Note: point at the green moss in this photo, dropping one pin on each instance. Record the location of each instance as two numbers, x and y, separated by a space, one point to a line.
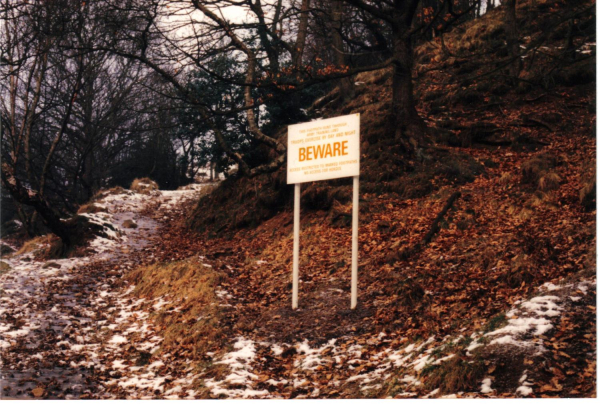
495 322
456 374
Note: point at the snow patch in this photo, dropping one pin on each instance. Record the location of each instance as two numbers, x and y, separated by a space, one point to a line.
239 361
486 386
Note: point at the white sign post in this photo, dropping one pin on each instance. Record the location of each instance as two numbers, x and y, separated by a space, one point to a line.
323 150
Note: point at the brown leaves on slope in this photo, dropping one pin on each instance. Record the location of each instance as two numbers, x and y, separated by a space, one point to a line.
498 243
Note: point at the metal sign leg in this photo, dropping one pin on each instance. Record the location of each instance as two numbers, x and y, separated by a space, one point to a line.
354 243
296 246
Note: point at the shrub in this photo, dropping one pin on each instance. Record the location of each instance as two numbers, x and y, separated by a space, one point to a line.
409 293
6 249
587 195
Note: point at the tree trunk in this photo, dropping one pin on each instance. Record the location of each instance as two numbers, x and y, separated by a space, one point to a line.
408 126
87 175
301 38
25 219
512 31
345 85
569 45
272 53
39 203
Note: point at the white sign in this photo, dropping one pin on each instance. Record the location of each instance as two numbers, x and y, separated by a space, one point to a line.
324 149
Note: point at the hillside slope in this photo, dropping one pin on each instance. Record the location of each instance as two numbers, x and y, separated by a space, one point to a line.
497 298
522 156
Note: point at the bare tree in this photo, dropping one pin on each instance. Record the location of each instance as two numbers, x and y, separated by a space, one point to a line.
67 112
30 32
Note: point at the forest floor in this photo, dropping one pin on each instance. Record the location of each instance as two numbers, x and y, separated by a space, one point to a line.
78 328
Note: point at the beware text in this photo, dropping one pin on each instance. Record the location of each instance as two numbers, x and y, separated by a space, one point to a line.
323 151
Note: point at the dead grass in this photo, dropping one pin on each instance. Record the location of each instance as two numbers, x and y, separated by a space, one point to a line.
525 214
587 192
549 181
540 199
111 191
206 189
456 374
375 76
538 171
587 195
481 30
90 208
191 287
589 261
4 267
506 178
241 202
143 185
130 224
106 192
34 244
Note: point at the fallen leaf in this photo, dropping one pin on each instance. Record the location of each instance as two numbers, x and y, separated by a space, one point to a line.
37 392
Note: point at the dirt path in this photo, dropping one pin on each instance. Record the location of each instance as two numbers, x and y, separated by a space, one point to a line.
66 324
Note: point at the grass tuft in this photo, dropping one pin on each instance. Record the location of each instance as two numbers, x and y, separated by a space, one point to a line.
456 374
130 224
190 286
534 169
4 267
106 192
506 178
549 181
495 323
587 192
34 244
91 208
143 185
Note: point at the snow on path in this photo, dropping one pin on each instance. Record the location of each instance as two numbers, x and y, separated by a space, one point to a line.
62 320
